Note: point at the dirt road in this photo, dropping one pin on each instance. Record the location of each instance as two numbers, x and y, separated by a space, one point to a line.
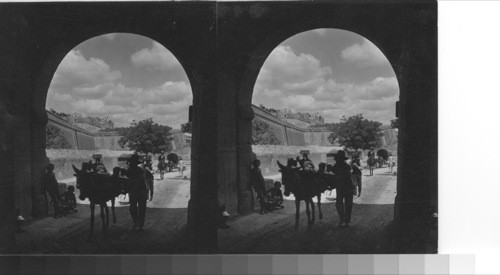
165 217
271 233
274 233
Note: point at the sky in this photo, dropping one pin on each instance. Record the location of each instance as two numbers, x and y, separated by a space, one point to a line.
131 77
125 77
334 72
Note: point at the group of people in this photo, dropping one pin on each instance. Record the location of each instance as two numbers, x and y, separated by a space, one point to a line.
140 173
62 203
346 191
66 202
268 199
164 163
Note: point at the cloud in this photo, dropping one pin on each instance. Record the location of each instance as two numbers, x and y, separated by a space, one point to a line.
156 58
167 104
77 71
364 55
320 32
92 87
283 65
97 91
110 36
87 105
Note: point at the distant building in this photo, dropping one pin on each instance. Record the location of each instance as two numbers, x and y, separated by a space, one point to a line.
311 119
100 122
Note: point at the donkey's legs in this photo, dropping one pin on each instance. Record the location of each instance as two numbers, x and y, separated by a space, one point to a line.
101 206
107 214
92 209
313 212
113 209
297 213
320 214
308 212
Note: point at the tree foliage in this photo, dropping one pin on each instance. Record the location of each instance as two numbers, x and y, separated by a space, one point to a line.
356 133
395 123
186 127
54 139
262 134
146 136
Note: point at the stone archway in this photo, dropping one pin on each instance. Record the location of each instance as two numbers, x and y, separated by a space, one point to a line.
410 45
222 46
37 39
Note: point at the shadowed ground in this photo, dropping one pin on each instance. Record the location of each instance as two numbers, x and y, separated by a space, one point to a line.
372 230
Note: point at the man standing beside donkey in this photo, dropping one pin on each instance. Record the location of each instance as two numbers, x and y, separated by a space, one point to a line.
345 190
138 193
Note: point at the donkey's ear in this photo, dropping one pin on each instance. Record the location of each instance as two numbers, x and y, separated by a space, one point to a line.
282 167
76 170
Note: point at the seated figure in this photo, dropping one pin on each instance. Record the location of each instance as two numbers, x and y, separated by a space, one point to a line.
68 200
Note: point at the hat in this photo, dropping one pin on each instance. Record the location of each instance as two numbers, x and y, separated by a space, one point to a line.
340 155
96 156
134 159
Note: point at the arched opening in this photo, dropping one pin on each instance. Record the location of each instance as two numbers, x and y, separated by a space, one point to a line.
111 96
321 91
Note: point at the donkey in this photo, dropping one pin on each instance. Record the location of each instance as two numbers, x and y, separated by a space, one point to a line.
305 185
99 189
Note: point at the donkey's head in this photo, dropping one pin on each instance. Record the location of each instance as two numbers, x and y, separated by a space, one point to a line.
84 181
289 177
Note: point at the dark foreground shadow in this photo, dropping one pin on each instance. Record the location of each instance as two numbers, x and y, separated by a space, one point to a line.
372 231
164 233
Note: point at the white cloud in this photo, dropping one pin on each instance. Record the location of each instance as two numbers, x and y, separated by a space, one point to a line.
88 105
77 71
286 66
364 55
97 91
110 36
320 32
156 58
167 104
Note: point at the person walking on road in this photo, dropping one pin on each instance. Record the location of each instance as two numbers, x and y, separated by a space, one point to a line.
149 177
356 174
138 193
344 189
162 165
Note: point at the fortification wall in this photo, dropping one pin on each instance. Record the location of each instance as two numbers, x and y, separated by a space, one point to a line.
317 138
107 143
295 137
69 134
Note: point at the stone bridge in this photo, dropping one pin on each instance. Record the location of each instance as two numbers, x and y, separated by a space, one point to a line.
221 46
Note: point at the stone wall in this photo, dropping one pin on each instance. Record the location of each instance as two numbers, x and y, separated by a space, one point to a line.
107 143
317 138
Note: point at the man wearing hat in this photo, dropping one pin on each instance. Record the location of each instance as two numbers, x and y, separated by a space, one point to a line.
138 192
344 188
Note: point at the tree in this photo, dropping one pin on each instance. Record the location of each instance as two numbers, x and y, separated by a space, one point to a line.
395 123
356 133
186 127
146 136
54 139
262 134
